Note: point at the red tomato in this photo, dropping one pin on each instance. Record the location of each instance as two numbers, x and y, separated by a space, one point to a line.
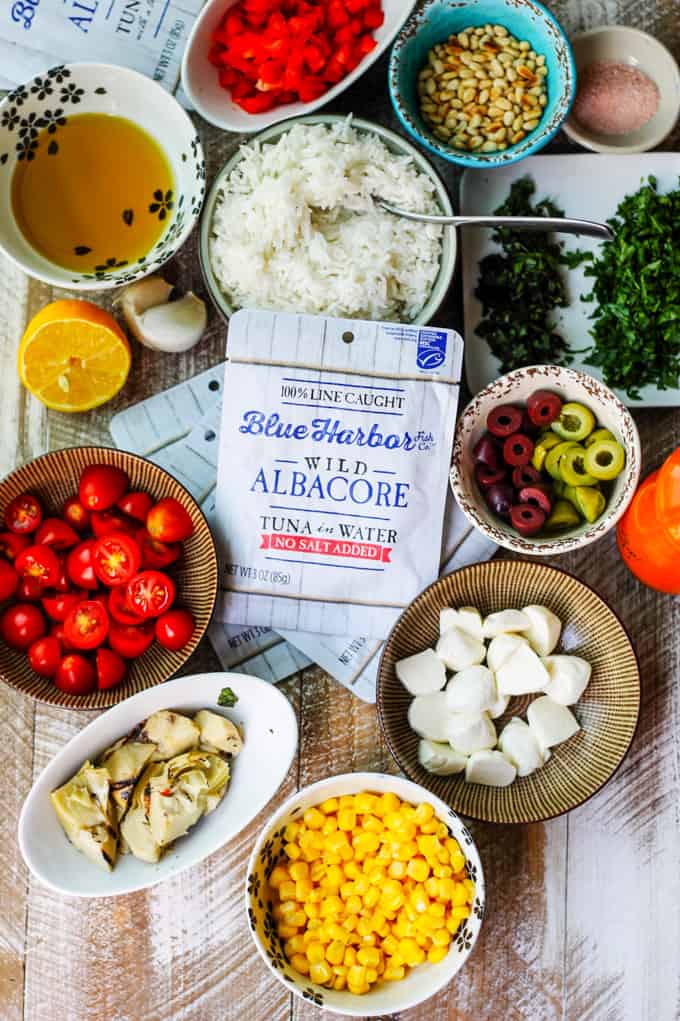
169 522
76 515
29 590
157 555
111 669
57 631
87 625
24 514
150 594
116 558
79 565
21 625
119 611
136 505
39 562
105 522
174 629
101 485
45 656
9 579
75 675
59 605
63 583
11 545
130 642
56 533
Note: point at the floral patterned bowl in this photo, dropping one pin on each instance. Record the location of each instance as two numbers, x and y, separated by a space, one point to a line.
62 92
514 388
388 997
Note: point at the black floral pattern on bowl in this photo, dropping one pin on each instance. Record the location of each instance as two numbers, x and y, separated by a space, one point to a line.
162 203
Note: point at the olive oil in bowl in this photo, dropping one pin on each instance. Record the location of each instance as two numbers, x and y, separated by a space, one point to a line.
97 195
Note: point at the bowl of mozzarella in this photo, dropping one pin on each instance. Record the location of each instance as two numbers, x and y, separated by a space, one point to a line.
510 690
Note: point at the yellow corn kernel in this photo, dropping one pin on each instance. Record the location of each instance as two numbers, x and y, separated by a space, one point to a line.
437 909
311 909
366 843
364 927
354 904
346 801
436 954
293 851
346 890
423 813
316 896
411 952
371 975
313 819
315 952
288 908
378 919
372 824
442 871
442 831
470 887
277 912
351 869
369 940
335 952
419 900
369 956
331 859
459 894
303 888
418 869
346 853
371 897
387 802
397 869
309 935
452 846
335 842
287 890
350 923
405 851
340 970
432 886
361 885
365 802
428 845
328 806
317 871
334 878
279 875
339 983
291 832
331 906
300 963
298 870
441 937
347 819
320 972
299 918
394 974
330 826
431 826
286 931
376 876
350 957
356 976
336 931
422 941
456 917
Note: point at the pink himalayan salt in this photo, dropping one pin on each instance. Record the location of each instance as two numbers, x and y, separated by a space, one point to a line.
614 98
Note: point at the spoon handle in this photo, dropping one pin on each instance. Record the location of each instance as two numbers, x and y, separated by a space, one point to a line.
588 228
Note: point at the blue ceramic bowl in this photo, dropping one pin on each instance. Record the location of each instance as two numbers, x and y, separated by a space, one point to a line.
435 22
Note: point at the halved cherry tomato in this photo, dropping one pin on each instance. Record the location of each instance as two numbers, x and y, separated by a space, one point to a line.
150 594
112 520
75 675
174 629
11 545
58 605
45 656
136 505
9 580
76 515
130 642
116 558
56 533
111 669
101 485
87 625
168 521
157 555
29 590
79 565
21 625
57 631
39 562
118 609
24 514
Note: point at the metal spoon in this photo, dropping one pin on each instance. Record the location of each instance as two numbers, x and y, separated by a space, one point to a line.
589 228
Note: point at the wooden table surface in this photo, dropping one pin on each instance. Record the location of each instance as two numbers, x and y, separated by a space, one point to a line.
583 918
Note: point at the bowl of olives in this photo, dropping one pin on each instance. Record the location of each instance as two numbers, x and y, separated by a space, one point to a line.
545 460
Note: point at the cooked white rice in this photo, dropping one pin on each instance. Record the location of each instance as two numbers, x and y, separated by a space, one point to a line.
295 227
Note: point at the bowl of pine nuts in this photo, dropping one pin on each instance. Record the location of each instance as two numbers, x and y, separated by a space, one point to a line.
482 84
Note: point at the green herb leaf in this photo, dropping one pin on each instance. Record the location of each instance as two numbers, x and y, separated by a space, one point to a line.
521 286
227 698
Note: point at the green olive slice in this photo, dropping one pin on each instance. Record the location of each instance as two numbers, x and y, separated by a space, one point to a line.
552 460
563 515
575 422
572 467
605 459
599 434
544 443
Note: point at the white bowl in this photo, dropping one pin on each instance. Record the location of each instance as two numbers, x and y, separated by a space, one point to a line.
388 997
48 101
647 54
514 389
200 82
269 728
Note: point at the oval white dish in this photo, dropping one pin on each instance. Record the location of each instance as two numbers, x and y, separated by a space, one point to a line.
269 727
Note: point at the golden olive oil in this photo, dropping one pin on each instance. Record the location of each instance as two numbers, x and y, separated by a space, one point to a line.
98 193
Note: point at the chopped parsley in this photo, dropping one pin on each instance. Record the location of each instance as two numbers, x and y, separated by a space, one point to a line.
227 698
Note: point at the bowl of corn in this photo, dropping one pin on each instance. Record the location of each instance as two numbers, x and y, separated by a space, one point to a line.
365 894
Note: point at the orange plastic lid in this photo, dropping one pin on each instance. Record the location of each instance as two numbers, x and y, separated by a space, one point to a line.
647 549
668 496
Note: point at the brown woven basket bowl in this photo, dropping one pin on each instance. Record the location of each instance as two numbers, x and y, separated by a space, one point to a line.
607 711
54 477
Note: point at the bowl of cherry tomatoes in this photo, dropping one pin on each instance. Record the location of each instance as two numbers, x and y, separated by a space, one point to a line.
108 576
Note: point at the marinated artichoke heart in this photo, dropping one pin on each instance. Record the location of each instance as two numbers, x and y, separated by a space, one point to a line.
218 734
135 831
191 785
85 813
171 732
124 762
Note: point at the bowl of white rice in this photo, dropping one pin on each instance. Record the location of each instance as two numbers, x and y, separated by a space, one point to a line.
291 224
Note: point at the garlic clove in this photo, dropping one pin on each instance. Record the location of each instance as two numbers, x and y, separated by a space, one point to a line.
159 324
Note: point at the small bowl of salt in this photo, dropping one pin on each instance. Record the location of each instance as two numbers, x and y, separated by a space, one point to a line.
627 92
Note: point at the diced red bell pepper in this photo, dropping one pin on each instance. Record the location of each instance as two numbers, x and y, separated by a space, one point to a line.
314 60
333 71
345 34
228 77
373 18
260 103
310 89
365 44
354 6
336 15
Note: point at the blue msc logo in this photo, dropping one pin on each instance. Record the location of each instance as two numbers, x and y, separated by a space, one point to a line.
431 351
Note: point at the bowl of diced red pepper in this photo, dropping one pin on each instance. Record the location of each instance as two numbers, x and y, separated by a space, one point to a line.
251 63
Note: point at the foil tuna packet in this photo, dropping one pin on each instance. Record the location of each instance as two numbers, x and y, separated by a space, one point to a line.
335 447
